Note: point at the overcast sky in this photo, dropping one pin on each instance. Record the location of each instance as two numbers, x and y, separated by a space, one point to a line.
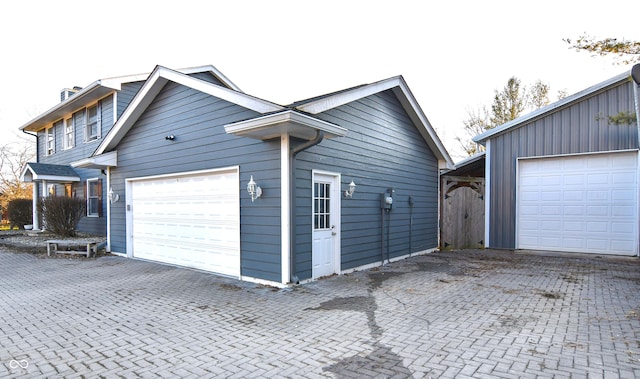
453 54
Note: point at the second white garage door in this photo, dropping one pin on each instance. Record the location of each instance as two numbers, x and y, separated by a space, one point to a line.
190 220
581 203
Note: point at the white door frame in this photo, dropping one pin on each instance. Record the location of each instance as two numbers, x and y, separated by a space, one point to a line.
334 178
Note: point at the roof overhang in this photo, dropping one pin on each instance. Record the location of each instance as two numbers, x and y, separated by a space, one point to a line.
152 87
554 107
402 92
94 92
30 175
101 161
289 122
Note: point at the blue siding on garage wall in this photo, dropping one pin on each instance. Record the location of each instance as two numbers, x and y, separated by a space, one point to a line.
382 149
197 121
581 127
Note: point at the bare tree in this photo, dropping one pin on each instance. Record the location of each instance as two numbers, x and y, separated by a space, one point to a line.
509 103
13 158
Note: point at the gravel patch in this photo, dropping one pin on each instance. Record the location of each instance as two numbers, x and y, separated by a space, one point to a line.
35 242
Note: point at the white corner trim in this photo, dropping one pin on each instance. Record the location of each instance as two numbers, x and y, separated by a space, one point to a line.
487 193
285 211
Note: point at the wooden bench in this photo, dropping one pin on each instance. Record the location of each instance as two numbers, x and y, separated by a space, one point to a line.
71 247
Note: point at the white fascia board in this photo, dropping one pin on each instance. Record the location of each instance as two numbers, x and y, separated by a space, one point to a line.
101 161
483 137
401 90
414 110
89 94
330 102
29 176
239 98
158 78
140 102
290 122
53 178
214 71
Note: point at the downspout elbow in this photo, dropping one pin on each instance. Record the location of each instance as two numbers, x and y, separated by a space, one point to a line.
316 140
37 145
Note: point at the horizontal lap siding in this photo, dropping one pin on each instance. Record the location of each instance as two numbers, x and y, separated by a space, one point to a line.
197 121
81 150
382 149
580 128
127 93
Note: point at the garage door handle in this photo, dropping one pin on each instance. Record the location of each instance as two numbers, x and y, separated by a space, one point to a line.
333 230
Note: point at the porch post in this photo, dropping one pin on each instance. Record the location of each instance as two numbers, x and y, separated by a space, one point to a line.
35 215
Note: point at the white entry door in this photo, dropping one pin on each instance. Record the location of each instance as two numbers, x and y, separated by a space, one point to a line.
326 224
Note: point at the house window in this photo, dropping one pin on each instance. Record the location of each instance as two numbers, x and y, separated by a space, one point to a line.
68 140
50 140
51 189
321 206
93 126
94 197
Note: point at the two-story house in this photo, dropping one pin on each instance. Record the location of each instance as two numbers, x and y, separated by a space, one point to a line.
72 130
183 168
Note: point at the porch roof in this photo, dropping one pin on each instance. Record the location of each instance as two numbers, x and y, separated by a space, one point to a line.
34 172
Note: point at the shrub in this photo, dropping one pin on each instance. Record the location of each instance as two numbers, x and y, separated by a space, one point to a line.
20 212
62 214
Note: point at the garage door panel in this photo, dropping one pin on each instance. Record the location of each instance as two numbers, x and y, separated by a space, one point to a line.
189 220
596 210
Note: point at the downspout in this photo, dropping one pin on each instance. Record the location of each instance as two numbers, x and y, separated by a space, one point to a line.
292 199
635 75
35 216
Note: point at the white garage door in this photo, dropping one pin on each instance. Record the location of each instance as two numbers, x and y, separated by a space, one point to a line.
188 220
582 203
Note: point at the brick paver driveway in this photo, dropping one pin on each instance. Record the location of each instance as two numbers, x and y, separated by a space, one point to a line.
444 315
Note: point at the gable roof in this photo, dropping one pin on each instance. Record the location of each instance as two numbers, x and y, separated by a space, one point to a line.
402 92
52 172
103 87
553 107
154 84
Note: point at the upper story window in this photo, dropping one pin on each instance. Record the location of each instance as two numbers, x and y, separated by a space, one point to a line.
68 139
93 125
50 140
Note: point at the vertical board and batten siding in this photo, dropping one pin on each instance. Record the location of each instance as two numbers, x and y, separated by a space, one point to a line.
382 149
197 121
581 127
81 150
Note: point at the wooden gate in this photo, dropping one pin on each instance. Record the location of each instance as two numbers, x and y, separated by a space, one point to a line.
462 217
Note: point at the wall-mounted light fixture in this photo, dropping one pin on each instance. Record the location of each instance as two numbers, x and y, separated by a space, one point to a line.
113 197
254 190
349 192
170 137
